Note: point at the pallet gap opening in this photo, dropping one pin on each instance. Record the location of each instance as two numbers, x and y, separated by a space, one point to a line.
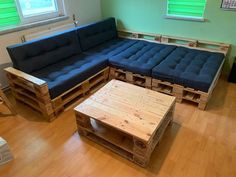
77 90
110 146
117 138
191 96
96 86
95 79
72 101
139 80
165 88
120 75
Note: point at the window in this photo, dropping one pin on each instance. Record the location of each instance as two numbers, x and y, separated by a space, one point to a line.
8 13
21 12
32 7
186 9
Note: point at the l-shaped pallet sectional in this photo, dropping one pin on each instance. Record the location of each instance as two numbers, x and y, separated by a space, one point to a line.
44 85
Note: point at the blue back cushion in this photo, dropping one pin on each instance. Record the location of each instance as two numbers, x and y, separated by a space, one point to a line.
37 54
97 33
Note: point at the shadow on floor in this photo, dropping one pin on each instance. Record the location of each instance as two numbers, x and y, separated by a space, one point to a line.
158 156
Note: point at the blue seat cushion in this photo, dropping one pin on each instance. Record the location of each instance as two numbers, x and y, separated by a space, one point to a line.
112 47
189 68
37 54
66 74
97 33
141 57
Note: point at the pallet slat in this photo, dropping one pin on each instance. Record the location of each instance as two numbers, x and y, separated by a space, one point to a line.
133 78
117 125
34 92
181 93
111 135
88 86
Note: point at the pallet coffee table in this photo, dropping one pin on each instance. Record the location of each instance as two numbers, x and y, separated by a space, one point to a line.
125 118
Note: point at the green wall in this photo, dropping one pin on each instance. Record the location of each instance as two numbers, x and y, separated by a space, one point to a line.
149 16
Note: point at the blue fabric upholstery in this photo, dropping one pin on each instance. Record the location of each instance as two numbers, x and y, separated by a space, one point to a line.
190 68
141 57
66 74
37 54
112 47
97 33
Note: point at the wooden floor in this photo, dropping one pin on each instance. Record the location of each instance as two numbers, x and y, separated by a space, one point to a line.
199 144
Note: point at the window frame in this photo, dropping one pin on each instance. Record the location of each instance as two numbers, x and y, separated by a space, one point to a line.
41 17
41 20
182 17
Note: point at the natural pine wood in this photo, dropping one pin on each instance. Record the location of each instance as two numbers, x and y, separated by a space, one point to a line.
35 93
131 109
178 41
125 118
136 79
4 100
199 144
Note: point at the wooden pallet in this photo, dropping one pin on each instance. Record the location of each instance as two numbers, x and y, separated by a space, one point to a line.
34 92
196 96
78 92
182 93
185 93
123 144
163 87
119 117
177 41
136 79
4 100
196 44
139 35
31 91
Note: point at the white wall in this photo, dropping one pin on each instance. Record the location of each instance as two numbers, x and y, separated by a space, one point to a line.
85 10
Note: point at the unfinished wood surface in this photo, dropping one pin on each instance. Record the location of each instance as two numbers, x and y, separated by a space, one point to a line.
139 35
34 92
127 119
163 86
131 109
31 91
198 144
178 41
78 92
133 78
4 100
182 93
25 76
187 93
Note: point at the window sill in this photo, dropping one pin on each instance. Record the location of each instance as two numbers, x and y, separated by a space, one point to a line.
32 25
185 18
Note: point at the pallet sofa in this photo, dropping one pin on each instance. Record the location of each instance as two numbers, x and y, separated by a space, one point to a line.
50 73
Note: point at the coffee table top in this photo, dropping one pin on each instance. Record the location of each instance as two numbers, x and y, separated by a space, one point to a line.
131 109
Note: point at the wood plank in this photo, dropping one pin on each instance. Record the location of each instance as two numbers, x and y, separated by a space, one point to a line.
25 76
111 135
171 40
130 77
5 100
140 110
